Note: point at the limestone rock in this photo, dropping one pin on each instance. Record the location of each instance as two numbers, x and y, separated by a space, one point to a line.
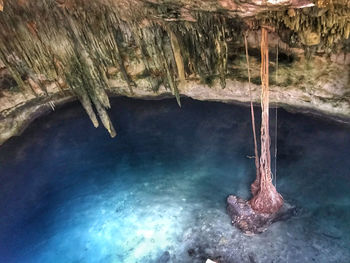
250 222
150 49
309 38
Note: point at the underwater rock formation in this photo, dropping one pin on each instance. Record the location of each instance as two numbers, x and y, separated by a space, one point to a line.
51 50
251 222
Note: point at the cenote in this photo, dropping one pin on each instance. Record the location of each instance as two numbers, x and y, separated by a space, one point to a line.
156 192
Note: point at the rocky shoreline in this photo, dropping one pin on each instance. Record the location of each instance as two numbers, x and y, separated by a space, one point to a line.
14 120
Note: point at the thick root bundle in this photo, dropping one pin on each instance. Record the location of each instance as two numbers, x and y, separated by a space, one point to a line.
267 200
265 197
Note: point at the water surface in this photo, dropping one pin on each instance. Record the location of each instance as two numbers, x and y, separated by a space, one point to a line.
156 193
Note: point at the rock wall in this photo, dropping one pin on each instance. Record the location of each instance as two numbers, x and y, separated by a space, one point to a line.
55 51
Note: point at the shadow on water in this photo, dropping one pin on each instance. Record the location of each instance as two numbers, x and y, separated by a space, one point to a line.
156 193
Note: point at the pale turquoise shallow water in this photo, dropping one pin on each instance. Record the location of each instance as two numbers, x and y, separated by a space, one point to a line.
156 193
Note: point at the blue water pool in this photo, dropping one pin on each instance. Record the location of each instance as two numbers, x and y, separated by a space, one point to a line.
156 192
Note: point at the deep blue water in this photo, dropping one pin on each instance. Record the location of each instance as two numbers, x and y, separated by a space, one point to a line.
156 192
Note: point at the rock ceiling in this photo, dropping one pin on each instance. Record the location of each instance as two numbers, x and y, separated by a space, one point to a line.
144 48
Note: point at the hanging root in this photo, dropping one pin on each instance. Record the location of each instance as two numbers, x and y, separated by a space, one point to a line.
266 200
255 185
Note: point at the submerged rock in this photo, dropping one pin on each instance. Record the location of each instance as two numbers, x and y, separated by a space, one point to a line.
251 222
164 258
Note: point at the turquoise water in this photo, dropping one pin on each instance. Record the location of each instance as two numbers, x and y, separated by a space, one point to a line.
156 193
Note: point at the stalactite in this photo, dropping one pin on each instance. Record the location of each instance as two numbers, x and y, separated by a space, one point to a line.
98 96
90 35
171 81
325 27
177 54
150 37
126 77
79 78
204 47
86 103
14 73
76 85
104 117
100 37
221 47
139 41
93 81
